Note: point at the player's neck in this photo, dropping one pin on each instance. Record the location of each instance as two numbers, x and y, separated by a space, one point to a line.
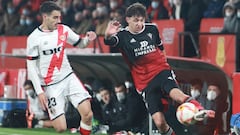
134 31
44 28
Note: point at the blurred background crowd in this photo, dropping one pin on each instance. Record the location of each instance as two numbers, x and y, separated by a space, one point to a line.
20 17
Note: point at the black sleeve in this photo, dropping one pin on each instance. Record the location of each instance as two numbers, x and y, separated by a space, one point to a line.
111 41
159 40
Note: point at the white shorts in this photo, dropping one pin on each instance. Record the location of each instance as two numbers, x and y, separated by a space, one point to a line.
70 89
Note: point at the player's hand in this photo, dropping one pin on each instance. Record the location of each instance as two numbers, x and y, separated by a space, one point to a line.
91 35
43 101
112 28
202 114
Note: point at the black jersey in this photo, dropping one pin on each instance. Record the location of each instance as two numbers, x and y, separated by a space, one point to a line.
142 53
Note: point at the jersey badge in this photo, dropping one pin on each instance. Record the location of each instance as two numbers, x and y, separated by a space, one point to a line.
150 35
62 37
133 40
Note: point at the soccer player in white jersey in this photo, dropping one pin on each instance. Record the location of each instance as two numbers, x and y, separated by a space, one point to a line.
49 69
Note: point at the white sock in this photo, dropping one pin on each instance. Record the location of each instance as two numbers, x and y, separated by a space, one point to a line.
85 126
40 122
169 132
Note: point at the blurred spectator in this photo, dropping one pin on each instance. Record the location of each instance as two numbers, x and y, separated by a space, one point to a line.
90 4
234 1
77 20
83 21
34 4
77 5
192 25
195 14
216 101
147 3
196 89
179 10
214 9
101 18
31 24
112 110
136 118
26 24
168 5
67 12
69 9
115 5
118 15
11 18
18 29
1 18
231 18
157 10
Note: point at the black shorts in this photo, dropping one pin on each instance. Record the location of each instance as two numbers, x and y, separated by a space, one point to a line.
159 87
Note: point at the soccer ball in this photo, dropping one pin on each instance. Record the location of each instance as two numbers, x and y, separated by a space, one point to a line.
185 113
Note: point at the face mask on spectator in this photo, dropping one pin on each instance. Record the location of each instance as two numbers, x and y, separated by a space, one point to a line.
228 14
211 95
28 21
154 4
64 10
113 4
120 96
102 10
10 10
238 14
195 93
22 22
25 12
128 84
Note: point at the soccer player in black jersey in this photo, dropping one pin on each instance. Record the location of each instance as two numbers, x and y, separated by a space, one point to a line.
144 53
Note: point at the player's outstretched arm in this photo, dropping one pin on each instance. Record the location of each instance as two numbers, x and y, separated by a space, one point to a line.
90 36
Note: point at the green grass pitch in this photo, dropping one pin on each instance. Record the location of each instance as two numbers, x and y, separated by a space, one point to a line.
34 131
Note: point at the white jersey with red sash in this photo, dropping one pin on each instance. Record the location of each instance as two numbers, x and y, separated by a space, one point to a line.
48 48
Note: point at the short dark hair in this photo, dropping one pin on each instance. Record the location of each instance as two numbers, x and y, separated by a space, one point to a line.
136 9
197 81
49 6
120 84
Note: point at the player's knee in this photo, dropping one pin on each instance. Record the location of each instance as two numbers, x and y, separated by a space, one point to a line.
89 115
60 129
86 116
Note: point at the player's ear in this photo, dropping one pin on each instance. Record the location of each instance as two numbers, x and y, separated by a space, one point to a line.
127 19
44 16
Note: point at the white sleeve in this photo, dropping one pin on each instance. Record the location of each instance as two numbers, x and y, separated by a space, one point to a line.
32 70
33 76
75 39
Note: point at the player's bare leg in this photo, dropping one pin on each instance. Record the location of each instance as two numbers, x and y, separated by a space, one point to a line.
59 124
161 124
85 111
